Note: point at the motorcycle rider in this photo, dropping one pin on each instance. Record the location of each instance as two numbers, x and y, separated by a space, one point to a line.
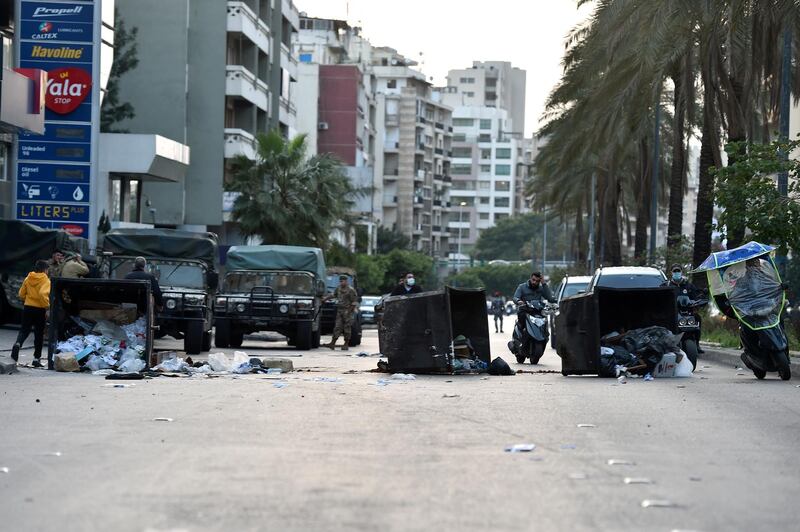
682 287
534 289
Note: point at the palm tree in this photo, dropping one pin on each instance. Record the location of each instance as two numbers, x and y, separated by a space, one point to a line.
287 198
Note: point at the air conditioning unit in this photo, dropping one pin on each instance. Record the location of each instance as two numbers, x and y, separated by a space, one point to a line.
322 126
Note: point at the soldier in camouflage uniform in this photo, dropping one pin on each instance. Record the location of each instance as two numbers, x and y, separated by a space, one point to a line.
346 306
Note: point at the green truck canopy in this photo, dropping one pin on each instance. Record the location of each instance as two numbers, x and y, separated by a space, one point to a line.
163 243
293 258
22 244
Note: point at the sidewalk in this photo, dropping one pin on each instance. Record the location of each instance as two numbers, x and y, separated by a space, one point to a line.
730 357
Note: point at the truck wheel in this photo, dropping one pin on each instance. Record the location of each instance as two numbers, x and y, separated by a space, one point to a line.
690 348
305 336
237 338
193 341
222 336
207 341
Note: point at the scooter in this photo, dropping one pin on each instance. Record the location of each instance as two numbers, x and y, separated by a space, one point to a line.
531 332
689 325
766 350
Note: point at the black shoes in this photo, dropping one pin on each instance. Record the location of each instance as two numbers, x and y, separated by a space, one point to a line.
37 363
15 352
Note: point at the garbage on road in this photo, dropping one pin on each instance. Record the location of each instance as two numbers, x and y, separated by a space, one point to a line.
103 345
651 352
615 462
637 480
657 503
521 448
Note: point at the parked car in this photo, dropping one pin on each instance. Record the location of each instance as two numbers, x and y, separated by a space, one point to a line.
627 277
569 286
368 308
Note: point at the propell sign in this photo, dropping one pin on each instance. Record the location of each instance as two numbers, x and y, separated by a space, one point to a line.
56 171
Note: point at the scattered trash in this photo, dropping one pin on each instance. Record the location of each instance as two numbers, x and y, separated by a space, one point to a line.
132 365
55 454
327 379
648 377
681 386
586 426
167 419
4 470
280 384
125 377
521 448
172 364
569 446
403 377
500 367
274 371
695 479
578 476
450 395
120 385
219 362
613 462
622 379
67 362
104 344
362 354
739 369
637 480
656 503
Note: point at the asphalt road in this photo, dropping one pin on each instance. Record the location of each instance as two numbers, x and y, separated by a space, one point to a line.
244 454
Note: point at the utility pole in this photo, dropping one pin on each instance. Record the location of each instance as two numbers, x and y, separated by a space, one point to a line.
593 201
654 183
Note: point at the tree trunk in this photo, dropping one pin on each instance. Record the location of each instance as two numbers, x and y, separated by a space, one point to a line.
612 243
737 132
705 197
677 173
579 242
642 205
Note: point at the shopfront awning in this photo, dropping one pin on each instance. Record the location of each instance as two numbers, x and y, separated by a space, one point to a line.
143 157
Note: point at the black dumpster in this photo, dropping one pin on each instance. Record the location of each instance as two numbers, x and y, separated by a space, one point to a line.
417 331
68 297
583 319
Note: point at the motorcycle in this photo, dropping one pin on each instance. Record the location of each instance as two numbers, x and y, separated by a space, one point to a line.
531 332
689 325
746 286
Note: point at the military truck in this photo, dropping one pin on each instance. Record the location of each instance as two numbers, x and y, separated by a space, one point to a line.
21 245
184 263
271 288
328 316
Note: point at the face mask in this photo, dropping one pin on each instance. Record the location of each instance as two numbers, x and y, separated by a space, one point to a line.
410 282
676 276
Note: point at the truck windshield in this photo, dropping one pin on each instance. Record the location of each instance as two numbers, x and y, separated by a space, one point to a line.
169 273
280 282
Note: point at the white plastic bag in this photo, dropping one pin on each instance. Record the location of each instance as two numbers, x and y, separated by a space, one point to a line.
133 365
96 363
684 367
173 364
219 362
241 362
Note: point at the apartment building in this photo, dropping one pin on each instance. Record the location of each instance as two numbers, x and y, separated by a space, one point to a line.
211 75
492 84
415 135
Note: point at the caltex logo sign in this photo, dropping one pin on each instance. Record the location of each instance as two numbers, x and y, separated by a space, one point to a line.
46 27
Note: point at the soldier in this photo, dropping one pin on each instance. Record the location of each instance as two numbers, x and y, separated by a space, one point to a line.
347 304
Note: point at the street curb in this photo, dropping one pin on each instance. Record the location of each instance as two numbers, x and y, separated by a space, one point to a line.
730 357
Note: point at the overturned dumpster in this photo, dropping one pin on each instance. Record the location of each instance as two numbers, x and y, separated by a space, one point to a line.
104 323
584 318
417 332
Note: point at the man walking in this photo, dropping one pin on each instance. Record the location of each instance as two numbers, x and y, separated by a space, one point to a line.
346 306
35 292
498 309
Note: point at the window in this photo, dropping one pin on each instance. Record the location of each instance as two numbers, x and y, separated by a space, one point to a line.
484 201
484 137
502 153
463 122
486 153
484 216
485 185
491 82
391 84
502 186
502 169
499 216
486 123
462 152
306 58
456 201
469 94
463 185
466 80
461 169
501 202
459 137
486 168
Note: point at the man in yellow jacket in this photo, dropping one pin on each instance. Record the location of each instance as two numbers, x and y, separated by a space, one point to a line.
35 292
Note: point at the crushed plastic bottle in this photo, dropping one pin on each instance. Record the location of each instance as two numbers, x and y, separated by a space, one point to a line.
637 480
520 448
658 503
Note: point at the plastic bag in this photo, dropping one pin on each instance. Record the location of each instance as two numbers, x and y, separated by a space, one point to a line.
96 363
611 358
684 368
219 362
110 330
173 364
133 365
241 363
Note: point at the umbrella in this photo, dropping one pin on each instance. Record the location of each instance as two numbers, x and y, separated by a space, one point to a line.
721 259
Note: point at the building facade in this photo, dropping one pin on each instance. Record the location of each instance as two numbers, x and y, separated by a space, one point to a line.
211 75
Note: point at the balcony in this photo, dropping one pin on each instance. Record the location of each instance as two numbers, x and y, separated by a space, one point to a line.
288 112
419 175
391 174
447 179
439 125
239 142
241 19
438 177
241 83
420 146
437 228
437 203
438 151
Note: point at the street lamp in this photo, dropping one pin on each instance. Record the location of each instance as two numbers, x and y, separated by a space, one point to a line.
460 217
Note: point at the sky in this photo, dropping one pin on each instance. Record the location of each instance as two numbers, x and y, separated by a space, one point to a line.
452 33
